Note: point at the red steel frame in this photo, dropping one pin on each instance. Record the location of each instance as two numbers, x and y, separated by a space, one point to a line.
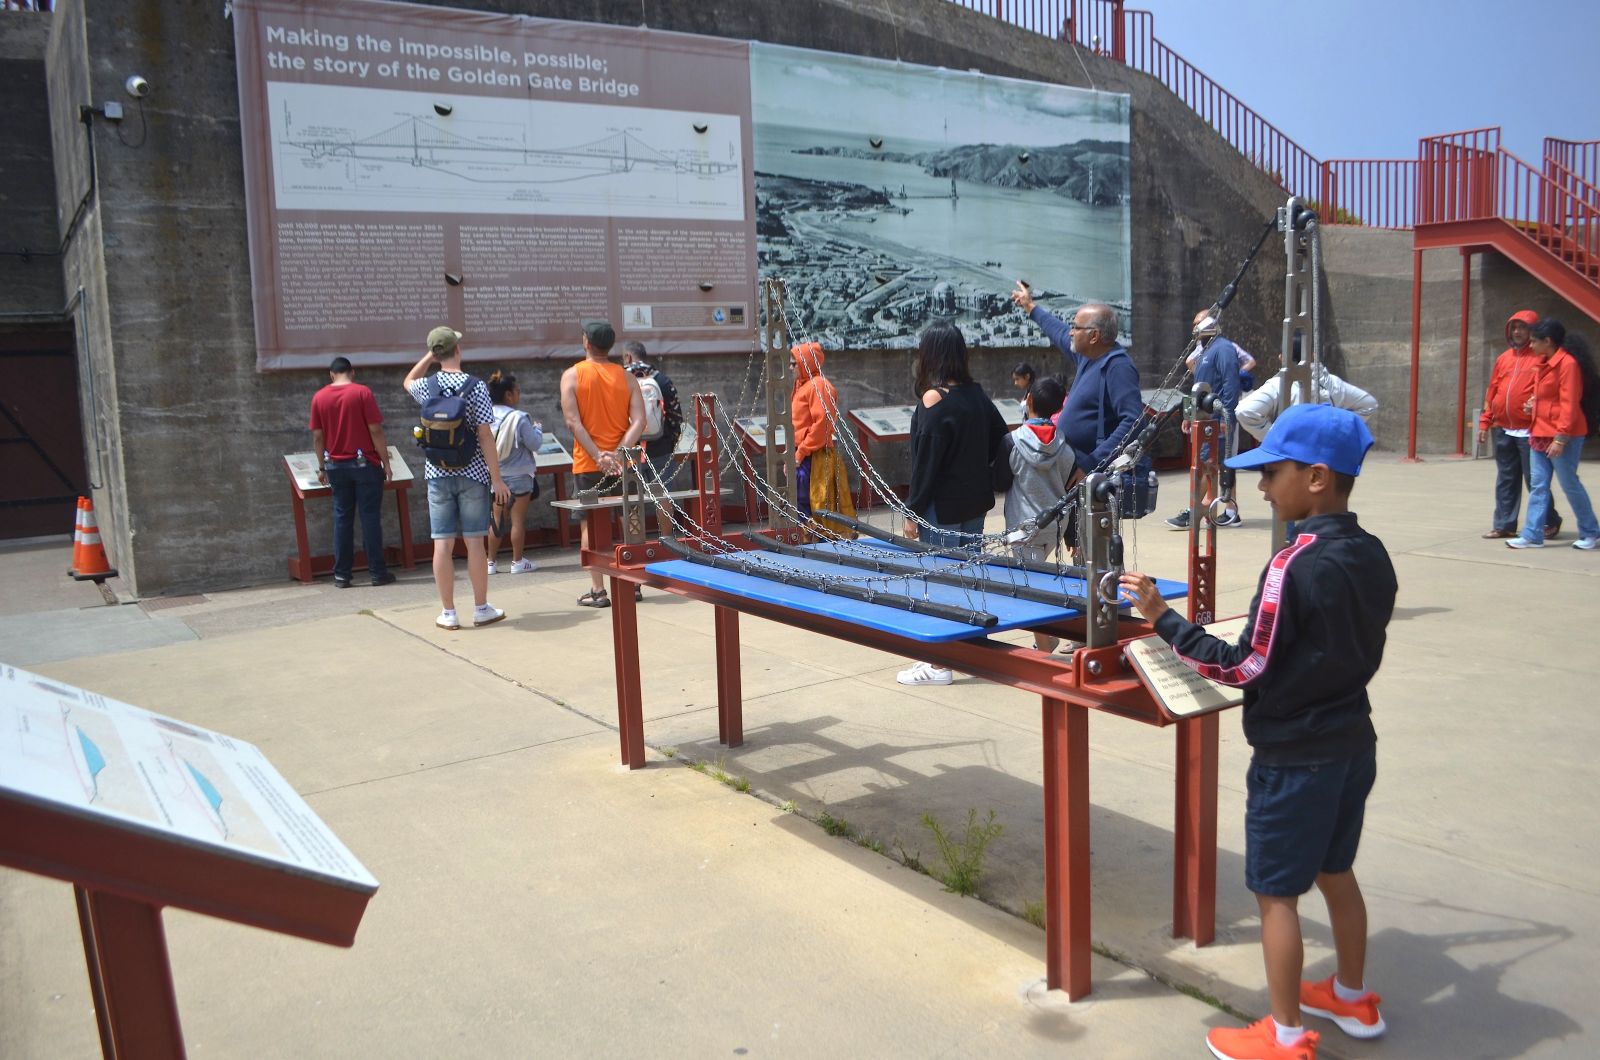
122 879
304 567
1092 679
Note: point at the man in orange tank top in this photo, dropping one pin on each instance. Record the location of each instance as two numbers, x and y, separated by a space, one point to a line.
604 410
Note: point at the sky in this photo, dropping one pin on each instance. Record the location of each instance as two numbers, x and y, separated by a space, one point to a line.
1367 78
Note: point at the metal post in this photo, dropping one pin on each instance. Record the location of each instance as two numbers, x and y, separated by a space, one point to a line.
1301 329
1461 380
1416 355
780 387
707 463
1066 847
1094 533
632 497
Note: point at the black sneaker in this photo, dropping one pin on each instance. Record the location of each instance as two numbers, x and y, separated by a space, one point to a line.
1230 518
1180 521
386 578
341 583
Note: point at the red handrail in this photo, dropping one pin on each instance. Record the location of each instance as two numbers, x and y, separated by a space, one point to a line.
1375 192
1579 157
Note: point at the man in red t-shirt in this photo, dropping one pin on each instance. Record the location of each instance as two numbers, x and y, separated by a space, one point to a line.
353 459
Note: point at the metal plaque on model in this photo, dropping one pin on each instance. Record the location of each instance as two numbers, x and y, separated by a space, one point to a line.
1180 691
885 422
80 753
303 468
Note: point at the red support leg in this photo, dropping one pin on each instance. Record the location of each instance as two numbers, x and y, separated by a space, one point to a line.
130 977
301 567
625 644
1461 380
1416 355
864 491
730 694
1194 833
403 512
1066 847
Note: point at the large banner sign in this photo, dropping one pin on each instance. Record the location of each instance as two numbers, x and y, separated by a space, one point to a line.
889 194
407 166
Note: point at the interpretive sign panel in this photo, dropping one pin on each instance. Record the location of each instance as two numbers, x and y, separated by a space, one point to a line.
885 421
552 454
303 466
78 752
754 428
1181 692
408 165
889 194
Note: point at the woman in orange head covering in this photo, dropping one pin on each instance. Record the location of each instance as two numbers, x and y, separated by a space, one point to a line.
820 477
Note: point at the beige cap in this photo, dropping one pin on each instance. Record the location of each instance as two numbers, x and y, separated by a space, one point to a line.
443 340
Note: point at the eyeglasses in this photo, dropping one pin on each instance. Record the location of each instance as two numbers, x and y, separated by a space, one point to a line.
1082 327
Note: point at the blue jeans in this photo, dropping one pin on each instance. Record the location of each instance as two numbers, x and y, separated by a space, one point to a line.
1512 471
953 535
356 489
1565 468
457 507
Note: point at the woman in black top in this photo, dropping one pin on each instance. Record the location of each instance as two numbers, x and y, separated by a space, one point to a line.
956 433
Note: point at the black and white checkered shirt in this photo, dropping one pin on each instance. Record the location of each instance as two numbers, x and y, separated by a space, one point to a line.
479 410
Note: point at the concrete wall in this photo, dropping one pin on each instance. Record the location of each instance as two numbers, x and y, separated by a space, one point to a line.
192 433
30 270
1369 274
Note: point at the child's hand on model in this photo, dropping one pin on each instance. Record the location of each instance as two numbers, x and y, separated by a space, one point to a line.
1141 590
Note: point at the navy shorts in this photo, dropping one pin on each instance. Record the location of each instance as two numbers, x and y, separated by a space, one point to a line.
1300 821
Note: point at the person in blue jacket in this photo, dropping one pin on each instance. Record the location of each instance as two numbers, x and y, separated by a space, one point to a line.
1104 402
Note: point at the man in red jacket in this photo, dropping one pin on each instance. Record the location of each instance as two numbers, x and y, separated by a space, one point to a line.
1505 411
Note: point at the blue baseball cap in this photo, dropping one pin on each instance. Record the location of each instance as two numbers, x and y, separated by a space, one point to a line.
1312 434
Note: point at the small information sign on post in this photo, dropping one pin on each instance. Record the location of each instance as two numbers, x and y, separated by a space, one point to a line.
139 812
1180 691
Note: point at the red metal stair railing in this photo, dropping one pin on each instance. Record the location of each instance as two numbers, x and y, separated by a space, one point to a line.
1473 194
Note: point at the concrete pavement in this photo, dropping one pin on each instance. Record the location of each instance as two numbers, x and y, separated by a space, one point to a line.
537 899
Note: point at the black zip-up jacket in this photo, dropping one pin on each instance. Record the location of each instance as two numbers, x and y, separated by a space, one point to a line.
1312 643
952 445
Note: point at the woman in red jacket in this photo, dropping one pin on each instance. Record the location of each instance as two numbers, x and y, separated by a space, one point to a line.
1556 438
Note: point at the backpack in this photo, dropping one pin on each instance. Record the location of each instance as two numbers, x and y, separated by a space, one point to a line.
446 434
655 409
505 435
1001 476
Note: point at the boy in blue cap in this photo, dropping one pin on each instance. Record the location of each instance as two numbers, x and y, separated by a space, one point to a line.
1313 641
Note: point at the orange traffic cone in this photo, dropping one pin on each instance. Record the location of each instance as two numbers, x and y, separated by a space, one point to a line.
90 563
77 538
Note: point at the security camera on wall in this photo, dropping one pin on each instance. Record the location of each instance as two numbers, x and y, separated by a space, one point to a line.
137 86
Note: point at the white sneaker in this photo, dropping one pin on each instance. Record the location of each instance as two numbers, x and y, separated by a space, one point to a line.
524 566
486 615
492 569
1522 542
925 674
447 620
1588 544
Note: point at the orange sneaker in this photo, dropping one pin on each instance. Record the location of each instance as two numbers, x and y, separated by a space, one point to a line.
1259 1041
1358 1018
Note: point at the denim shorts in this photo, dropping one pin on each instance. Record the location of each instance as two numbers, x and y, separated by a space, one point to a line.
519 484
457 507
1300 821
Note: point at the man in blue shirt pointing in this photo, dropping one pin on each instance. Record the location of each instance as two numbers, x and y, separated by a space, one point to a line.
1104 402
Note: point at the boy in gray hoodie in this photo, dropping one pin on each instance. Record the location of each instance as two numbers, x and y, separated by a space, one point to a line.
1042 466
